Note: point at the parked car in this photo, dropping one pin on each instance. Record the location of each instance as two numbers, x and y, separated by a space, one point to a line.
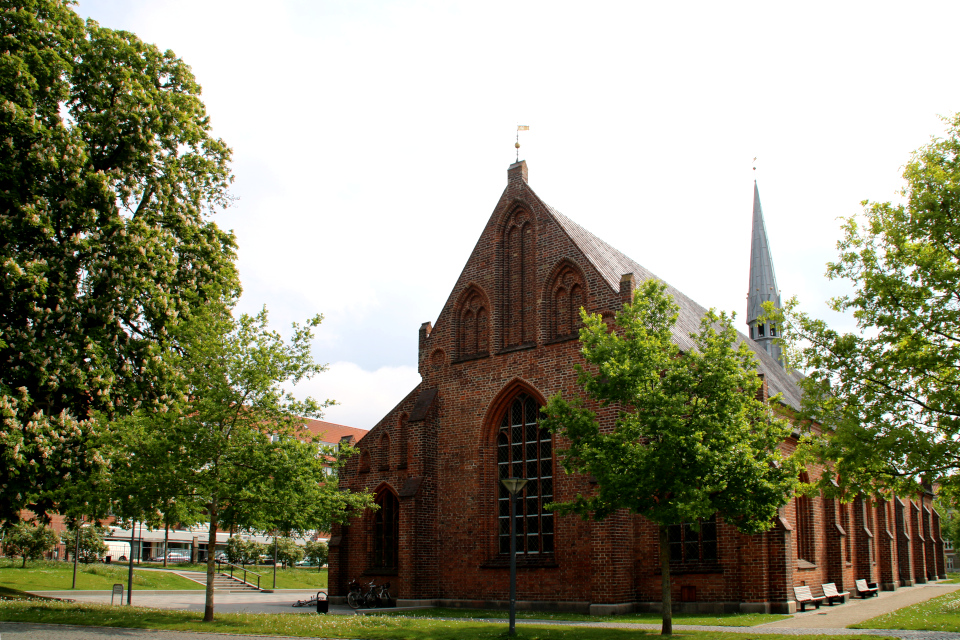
174 556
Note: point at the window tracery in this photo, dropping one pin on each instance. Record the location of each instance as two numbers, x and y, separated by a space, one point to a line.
524 450
386 531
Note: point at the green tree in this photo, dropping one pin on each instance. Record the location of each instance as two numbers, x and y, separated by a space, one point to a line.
888 392
289 552
317 552
29 540
238 447
690 439
91 544
108 176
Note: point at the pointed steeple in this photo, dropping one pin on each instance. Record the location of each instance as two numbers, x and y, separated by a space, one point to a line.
763 283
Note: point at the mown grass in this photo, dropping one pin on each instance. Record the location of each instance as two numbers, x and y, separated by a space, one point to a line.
939 614
721 620
45 575
952 578
329 626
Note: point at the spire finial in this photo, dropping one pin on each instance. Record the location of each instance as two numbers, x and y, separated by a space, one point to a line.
520 127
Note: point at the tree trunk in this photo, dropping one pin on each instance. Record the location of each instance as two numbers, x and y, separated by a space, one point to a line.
211 543
24 565
666 601
166 542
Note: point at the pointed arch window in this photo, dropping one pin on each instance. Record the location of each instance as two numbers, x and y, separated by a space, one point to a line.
524 450
386 531
474 326
566 297
519 273
806 535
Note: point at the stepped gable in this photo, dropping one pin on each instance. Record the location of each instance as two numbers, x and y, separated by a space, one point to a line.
612 264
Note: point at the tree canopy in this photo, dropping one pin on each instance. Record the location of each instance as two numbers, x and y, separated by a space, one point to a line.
888 393
690 438
108 176
237 446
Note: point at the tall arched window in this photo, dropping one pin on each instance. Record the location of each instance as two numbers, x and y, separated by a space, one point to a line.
524 450
519 298
386 531
806 536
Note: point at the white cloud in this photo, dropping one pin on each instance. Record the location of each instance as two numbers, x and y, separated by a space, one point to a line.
364 397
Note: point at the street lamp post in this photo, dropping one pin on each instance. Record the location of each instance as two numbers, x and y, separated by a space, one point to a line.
513 486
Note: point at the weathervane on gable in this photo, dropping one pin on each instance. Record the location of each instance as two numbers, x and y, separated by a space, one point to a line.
520 127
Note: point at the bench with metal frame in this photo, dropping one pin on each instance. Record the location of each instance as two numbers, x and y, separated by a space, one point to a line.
830 593
865 590
804 597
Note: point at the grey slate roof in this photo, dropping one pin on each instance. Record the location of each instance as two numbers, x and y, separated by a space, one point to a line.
612 264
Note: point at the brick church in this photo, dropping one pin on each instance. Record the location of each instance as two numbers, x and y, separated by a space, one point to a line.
505 341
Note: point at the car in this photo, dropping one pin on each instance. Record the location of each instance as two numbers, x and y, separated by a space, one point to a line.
174 556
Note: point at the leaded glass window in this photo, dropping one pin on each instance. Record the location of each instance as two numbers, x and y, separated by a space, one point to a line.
524 450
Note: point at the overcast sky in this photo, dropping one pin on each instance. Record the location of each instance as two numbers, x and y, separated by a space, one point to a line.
371 142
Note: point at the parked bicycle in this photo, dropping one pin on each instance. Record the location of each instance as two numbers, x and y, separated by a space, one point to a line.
375 595
310 602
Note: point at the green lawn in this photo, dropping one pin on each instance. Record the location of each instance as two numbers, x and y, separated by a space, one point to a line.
952 578
56 576
722 620
331 626
939 614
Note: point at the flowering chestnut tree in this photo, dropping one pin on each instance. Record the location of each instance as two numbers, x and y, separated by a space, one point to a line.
108 177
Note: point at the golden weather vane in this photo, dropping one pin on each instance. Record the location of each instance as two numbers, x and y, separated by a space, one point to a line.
520 127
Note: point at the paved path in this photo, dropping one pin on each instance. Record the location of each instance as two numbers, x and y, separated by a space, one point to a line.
858 610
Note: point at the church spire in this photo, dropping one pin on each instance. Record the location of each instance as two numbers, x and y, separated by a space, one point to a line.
763 283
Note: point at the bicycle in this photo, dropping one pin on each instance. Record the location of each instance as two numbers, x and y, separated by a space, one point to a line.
373 597
310 602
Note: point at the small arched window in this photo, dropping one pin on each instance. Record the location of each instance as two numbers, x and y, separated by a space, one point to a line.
524 450
473 335
386 531
566 298
364 461
384 452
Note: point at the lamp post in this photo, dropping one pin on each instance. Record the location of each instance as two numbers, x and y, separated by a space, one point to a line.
513 486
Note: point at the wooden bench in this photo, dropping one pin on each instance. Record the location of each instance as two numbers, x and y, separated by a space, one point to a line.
830 593
804 597
864 590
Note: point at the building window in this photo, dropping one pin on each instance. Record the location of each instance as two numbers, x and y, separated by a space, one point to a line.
806 536
688 545
524 450
849 531
760 330
386 531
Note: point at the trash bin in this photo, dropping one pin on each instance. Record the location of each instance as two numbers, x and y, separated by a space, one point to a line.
108 559
323 605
